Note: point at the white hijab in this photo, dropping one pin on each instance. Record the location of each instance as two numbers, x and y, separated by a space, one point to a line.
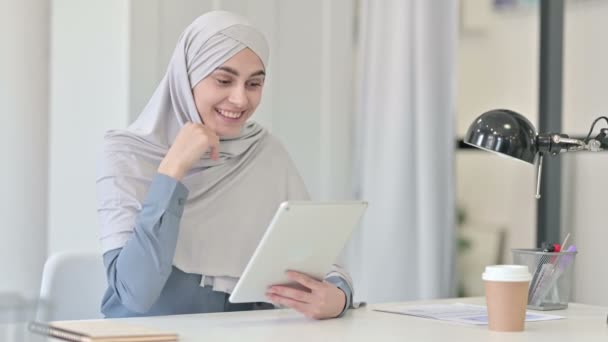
232 200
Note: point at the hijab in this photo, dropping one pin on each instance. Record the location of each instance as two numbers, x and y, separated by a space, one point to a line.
231 200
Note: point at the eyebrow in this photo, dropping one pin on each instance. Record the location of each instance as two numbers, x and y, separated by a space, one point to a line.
236 73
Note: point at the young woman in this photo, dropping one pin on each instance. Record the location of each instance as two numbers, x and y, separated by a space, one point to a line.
186 192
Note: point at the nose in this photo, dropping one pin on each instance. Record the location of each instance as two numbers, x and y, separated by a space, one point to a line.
238 97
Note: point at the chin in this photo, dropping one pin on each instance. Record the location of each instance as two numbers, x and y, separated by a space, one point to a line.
229 132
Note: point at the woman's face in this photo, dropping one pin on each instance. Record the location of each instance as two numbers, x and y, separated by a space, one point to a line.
230 94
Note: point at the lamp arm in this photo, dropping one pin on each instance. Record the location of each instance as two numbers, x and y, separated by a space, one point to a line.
569 144
555 143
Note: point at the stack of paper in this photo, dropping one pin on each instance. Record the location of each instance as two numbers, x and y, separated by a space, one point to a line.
458 312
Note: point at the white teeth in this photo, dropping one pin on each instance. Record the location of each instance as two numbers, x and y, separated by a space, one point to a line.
232 115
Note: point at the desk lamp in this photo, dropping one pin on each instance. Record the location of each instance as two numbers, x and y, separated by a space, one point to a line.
510 134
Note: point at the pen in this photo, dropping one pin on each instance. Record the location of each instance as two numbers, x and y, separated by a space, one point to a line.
543 260
535 277
545 271
548 281
565 240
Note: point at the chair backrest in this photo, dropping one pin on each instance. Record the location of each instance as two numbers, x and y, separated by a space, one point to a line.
73 284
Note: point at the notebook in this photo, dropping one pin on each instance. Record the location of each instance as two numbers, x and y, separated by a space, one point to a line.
100 331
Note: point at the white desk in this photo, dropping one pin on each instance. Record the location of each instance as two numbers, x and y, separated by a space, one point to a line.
583 323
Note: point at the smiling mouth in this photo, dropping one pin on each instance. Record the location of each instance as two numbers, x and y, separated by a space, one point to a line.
228 115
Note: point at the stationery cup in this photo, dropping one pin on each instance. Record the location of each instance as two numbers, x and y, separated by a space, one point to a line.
552 276
506 296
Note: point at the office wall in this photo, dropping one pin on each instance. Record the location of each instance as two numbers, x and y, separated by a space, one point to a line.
23 137
89 94
499 68
122 52
585 182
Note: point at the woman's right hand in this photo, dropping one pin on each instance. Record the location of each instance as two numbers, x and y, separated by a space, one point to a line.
192 141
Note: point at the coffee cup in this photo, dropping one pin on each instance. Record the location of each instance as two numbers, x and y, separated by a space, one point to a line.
506 289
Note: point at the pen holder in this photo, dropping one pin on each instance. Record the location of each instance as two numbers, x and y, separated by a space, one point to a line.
552 277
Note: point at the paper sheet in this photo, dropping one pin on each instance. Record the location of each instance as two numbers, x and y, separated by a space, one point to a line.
458 312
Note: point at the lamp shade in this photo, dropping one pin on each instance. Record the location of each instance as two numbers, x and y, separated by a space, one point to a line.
505 132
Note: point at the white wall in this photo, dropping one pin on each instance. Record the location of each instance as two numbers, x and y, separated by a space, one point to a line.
122 51
89 94
585 182
313 91
23 136
498 68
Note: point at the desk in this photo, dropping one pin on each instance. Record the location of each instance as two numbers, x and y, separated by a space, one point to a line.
583 323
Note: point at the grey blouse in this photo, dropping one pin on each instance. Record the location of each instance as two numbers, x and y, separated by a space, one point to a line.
142 280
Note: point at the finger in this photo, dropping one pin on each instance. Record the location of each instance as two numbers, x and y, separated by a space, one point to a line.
299 295
214 142
305 280
288 302
215 152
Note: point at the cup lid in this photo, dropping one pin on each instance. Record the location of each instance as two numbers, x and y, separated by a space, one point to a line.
506 273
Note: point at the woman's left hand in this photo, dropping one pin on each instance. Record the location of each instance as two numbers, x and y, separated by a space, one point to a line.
319 299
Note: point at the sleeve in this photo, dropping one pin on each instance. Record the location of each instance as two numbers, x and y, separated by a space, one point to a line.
137 272
342 280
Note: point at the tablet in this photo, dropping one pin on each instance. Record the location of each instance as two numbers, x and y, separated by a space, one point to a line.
303 236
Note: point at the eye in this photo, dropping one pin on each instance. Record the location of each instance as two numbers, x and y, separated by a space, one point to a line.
223 81
255 84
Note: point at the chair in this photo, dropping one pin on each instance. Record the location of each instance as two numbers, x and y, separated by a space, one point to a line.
73 284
